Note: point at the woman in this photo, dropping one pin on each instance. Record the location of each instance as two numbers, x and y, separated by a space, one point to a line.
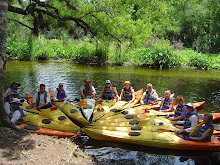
127 93
109 92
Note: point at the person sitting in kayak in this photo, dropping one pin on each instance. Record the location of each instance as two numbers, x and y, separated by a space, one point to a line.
41 99
203 131
167 103
60 94
109 92
150 96
7 103
190 121
87 90
13 88
127 93
180 111
16 114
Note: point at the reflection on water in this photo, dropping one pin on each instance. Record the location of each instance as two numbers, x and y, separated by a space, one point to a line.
194 85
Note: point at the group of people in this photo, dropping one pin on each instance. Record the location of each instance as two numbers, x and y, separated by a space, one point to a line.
185 117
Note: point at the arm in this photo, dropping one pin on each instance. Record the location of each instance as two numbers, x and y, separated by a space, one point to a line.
121 95
81 93
206 134
133 96
7 108
142 98
170 108
93 92
115 92
55 95
176 118
101 93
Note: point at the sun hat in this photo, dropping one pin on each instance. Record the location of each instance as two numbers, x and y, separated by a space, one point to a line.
16 100
15 82
189 105
126 82
149 85
108 82
60 84
87 80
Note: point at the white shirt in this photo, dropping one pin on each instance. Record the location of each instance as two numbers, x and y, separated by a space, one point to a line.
93 89
16 115
41 98
194 121
55 96
7 108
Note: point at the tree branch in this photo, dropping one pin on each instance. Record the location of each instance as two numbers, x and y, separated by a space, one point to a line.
21 23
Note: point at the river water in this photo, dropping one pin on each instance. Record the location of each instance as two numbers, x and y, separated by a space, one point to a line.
194 85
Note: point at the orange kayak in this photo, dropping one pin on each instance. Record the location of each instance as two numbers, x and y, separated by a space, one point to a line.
50 132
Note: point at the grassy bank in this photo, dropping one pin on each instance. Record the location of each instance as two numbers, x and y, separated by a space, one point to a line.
159 54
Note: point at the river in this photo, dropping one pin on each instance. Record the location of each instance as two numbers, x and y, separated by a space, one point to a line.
195 85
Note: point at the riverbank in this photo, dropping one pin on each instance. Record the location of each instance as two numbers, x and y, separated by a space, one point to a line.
31 149
160 54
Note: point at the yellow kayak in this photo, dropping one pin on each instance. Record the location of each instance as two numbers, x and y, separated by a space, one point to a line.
54 114
153 131
72 112
37 120
101 109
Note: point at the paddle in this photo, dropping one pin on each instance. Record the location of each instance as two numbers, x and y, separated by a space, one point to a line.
82 103
42 114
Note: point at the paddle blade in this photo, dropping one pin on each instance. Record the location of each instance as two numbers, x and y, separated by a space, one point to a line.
82 103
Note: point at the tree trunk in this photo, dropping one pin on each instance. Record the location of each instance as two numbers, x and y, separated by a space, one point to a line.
3 35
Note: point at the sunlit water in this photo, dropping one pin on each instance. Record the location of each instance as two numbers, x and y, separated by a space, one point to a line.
194 85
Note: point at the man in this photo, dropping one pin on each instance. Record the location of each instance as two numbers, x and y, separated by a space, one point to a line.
203 131
109 92
127 92
167 103
87 90
16 112
60 94
13 88
41 99
190 121
150 96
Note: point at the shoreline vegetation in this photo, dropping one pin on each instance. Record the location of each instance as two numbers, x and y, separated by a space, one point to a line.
160 53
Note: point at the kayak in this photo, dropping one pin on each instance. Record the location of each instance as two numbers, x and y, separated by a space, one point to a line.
72 112
87 110
70 109
50 132
37 120
109 110
102 108
54 114
153 131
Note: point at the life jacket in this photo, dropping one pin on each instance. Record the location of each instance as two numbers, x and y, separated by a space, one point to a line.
87 91
19 121
166 103
179 110
108 93
38 98
127 94
149 97
15 91
7 100
187 123
61 94
203 129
